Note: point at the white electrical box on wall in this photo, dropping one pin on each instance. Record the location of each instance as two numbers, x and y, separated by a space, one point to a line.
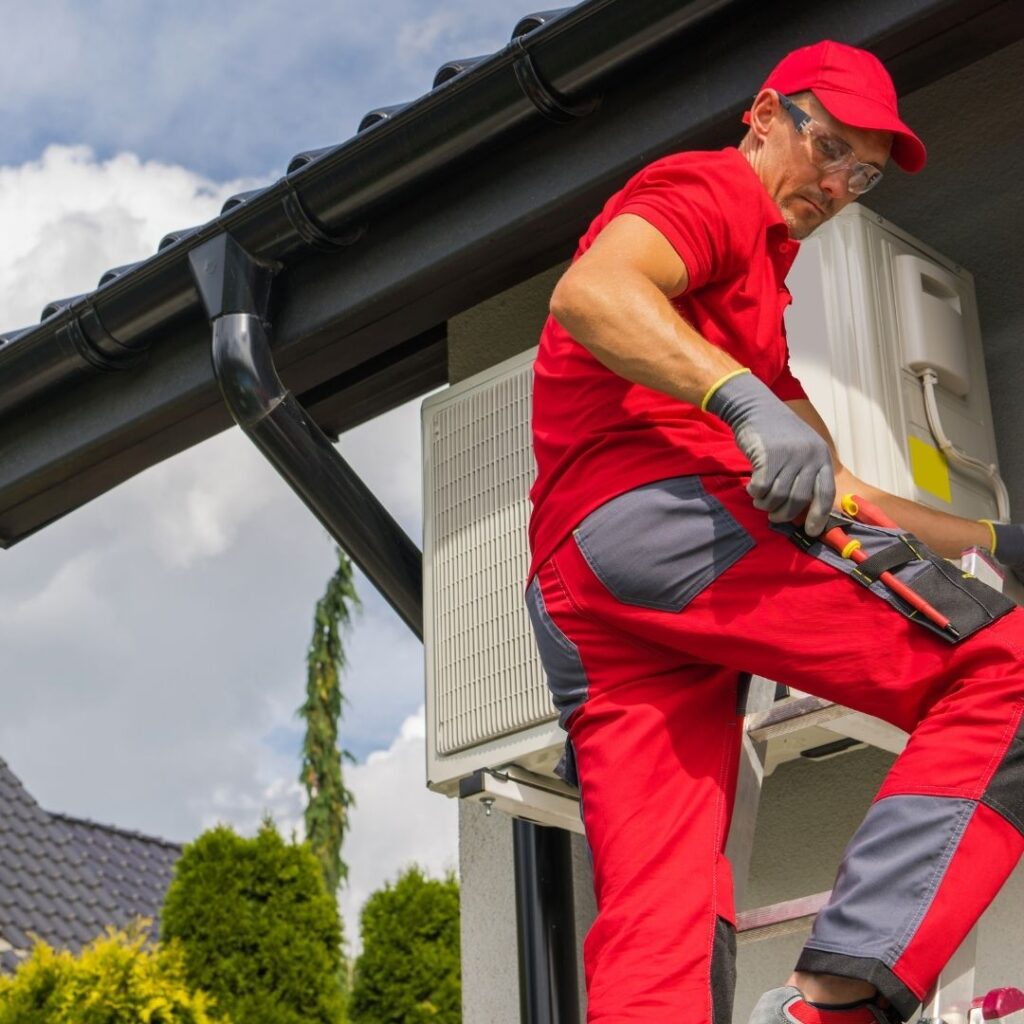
873 306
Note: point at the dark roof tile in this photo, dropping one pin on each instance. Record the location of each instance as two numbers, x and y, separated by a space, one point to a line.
59 305
534 21
65 879
241 198
307 157
447 71
115 272
380 114
176 236
15 334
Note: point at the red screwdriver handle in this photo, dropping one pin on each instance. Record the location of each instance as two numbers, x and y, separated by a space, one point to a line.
839 540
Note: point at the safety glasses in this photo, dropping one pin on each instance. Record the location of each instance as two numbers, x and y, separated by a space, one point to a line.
830 153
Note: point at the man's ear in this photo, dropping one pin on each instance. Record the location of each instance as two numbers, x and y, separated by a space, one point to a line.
764 110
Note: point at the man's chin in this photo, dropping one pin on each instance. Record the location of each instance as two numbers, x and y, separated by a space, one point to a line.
799 227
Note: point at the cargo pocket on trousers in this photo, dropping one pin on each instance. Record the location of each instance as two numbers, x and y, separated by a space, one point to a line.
660 545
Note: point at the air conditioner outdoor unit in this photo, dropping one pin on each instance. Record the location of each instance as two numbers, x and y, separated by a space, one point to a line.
492 733
870 304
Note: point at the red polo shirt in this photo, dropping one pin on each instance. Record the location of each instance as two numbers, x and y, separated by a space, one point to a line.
595 434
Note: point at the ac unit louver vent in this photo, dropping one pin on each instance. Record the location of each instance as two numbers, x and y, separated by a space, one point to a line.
486 678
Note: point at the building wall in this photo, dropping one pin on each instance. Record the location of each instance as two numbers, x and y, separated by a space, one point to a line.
967 204
501 327
505 325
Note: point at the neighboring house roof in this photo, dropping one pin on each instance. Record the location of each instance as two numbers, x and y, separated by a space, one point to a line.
65 879
430 208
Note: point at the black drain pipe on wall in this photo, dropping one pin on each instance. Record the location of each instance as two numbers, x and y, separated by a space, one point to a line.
545 924
235 290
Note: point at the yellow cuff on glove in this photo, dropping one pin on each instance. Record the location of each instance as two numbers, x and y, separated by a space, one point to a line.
718 383
991 533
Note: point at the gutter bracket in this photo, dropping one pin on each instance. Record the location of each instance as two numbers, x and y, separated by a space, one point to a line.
236 291
546 98
309 229
85 334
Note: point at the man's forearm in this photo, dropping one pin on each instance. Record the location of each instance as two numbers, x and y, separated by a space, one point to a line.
946 534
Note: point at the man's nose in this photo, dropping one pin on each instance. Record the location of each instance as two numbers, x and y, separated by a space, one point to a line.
835 184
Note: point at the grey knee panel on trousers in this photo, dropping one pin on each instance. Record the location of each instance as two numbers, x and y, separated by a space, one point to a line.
886 884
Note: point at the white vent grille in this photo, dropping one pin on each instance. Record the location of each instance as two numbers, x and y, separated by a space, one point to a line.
482 664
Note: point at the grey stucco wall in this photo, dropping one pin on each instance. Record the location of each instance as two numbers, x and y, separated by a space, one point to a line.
968 204
490 973
501 327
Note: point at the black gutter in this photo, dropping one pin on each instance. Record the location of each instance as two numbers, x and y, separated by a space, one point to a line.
325 204
364 328
235 291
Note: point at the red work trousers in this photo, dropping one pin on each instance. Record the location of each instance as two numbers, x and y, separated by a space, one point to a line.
646 617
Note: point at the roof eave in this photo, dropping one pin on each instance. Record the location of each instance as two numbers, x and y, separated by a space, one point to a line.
467 192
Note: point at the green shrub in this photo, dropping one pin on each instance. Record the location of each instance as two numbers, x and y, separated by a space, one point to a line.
409 969
117 979
259 929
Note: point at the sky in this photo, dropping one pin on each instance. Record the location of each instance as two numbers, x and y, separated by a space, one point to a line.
152 644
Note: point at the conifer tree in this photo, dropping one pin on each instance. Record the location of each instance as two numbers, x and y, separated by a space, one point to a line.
409 970
328 799
259 931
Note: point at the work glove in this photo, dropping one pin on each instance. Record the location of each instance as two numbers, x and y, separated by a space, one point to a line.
791 462
1009 549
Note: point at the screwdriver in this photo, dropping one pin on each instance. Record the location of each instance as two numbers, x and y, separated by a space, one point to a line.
838 539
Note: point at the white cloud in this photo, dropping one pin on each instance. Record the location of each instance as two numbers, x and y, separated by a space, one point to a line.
194 505
397 820
69 217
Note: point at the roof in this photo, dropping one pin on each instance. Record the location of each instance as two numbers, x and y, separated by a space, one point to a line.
65 879
430 208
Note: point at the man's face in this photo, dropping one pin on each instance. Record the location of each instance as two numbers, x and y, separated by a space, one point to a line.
806 194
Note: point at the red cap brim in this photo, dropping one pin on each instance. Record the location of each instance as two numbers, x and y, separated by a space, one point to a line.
908 150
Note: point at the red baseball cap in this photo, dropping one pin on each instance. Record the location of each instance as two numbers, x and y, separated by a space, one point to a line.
854 87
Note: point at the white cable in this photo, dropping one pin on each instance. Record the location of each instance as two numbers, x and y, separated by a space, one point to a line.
929 378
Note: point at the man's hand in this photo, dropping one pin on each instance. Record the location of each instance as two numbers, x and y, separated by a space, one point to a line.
1010 547
792 464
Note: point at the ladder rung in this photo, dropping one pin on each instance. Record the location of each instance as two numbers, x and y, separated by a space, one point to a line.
779 918
793 716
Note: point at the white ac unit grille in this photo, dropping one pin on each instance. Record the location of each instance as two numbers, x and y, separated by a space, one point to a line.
484 667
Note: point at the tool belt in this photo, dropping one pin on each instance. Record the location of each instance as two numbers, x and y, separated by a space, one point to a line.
963 599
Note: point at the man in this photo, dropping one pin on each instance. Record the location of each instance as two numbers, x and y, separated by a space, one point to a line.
674 451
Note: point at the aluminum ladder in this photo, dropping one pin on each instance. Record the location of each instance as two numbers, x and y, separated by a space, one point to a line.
784 723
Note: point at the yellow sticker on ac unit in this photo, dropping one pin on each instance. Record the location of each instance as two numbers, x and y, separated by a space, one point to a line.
930 469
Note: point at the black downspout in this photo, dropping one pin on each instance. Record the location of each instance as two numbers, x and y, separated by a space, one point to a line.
545 922
235 290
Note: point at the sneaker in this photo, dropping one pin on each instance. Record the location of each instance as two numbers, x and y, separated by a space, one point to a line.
787 1005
